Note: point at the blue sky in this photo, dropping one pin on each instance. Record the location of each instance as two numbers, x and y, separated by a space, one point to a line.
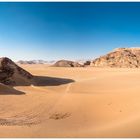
52 31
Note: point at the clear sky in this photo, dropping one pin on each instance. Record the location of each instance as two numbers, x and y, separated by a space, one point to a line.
53 31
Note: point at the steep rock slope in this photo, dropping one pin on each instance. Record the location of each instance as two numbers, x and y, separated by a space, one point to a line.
121 57
12 74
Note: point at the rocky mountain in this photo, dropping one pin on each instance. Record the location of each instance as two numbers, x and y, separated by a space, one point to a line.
121 57
12 74
66 63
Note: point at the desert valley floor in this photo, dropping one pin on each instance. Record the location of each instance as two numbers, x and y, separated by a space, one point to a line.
73 102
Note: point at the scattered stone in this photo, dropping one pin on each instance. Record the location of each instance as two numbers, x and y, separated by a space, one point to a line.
58 116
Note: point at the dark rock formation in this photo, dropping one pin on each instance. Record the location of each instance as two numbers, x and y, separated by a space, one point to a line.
10 73
87 63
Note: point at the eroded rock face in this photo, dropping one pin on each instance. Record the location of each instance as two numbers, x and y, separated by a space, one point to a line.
66 63
10 73
121 57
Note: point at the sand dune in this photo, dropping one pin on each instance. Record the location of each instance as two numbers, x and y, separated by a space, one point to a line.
72 102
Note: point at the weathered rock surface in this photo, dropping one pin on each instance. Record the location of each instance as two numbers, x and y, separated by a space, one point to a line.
11 74
66 63
121 57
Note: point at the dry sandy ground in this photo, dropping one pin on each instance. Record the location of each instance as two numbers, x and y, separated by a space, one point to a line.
73 102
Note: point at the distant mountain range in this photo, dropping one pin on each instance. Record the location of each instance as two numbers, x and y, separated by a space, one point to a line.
35 62
81 62
120 57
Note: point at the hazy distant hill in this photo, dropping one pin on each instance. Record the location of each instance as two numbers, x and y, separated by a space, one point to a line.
66 63
121 57
36 62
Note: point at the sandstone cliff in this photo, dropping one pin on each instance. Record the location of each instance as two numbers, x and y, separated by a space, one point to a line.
121 57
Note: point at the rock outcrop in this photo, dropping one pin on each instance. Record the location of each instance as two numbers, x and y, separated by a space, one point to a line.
121 57
12 74
87 63
66 63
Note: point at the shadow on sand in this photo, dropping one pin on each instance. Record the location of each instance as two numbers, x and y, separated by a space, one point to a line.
17 92
50 81
9 90
38 81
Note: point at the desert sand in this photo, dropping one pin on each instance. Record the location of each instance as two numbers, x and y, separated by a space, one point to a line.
72 102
